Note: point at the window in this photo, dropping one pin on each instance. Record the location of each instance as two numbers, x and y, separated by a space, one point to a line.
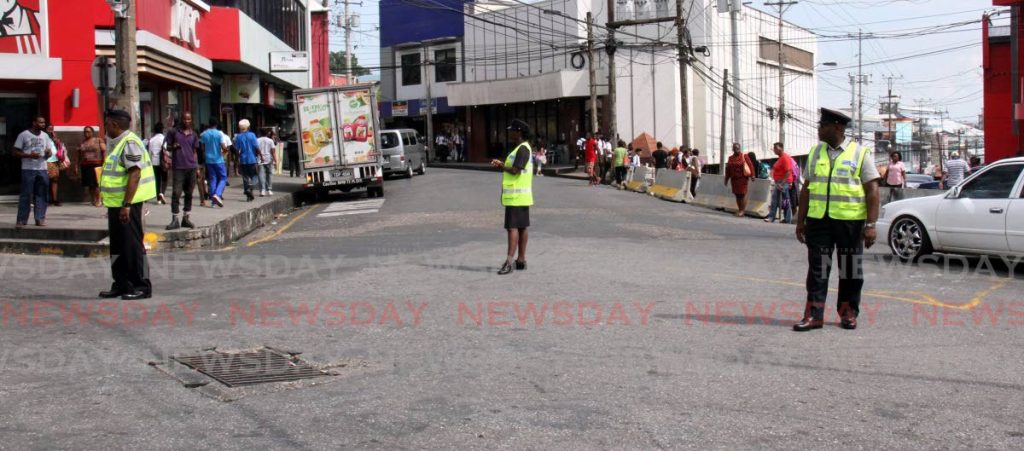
411 69
995 183
285 19
444 69
406 139
388 140
414 138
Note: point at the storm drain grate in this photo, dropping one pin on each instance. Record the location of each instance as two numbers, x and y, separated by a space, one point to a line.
251 367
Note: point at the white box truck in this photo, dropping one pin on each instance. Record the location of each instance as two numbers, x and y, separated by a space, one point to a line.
337 133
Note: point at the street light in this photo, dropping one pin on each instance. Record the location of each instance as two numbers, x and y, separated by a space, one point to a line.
120 7
829 64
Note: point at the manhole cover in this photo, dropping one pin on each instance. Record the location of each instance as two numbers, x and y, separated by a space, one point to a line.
236 369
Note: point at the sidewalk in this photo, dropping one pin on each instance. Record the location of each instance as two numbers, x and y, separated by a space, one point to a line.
79 229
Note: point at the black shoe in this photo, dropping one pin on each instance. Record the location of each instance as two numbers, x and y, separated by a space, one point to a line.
110 294
848 323
136 295
187 224
807 324
520 265
174 224
505 269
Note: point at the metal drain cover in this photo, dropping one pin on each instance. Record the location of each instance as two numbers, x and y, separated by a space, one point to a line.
236 369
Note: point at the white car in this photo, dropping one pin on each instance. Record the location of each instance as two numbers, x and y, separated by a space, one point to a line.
983 215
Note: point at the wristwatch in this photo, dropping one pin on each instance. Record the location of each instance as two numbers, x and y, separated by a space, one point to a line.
126 204
869 225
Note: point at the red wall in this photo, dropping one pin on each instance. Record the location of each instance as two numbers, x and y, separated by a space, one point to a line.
73 40
998 110
320 55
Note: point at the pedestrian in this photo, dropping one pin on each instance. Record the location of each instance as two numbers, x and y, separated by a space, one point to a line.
441 141
516 194
127 182
660 156
248 147
975 163
56 164
634 157
540 158
619 162
580 148
590 157
838 210
182 144
760 168
955 171
267 160
457 144
33 147
92 151
895 176
155 145
213 147
695 168
738 171
293 158
782 176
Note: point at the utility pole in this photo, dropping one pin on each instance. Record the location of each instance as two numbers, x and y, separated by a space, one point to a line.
737 107
127 92
610 50
721 138
684 62
782 7
861 81
891 105
430 103
593 72
348 43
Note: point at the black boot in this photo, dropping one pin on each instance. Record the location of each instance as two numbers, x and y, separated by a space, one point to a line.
174 223
186 223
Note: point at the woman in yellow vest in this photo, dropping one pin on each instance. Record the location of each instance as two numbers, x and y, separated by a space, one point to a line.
838 210
126 182
516 193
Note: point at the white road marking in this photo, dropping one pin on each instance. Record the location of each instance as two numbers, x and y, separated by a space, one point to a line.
352 208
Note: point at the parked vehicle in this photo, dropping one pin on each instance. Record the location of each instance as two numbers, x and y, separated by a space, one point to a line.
921 181
983 215
337 129
404 152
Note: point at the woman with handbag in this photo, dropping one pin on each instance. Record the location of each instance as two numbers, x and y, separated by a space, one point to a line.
57 163
738 171
91 154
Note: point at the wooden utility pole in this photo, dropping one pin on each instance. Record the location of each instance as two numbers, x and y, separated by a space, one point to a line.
127 92
782 6
684 62
430 103
610 51
721 138
593 72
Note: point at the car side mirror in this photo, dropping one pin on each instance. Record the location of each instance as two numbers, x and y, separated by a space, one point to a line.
954 193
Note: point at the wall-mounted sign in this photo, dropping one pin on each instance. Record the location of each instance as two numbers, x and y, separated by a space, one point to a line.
275 98
400 108
21 28
240 89
184 22
289 61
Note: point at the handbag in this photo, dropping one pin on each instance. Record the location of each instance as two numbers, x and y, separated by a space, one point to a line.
747 172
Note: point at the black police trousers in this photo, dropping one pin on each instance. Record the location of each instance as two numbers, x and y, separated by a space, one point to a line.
127 254
845 239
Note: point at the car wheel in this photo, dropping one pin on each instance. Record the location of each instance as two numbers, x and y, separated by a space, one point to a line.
908 239
423 168
408 171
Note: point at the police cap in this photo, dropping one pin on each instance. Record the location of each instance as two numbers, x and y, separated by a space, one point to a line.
833 117
118 114
519 125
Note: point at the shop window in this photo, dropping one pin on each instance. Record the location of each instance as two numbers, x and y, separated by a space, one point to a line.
411 69
285 19
444 70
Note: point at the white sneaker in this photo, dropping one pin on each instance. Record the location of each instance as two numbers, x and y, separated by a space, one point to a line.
263 193
270 193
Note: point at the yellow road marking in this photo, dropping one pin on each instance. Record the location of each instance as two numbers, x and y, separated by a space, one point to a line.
278 232
922 298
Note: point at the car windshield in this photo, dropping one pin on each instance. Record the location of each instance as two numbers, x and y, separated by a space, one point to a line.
388 140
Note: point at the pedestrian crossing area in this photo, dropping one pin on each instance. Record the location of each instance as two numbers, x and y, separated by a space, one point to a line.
349 208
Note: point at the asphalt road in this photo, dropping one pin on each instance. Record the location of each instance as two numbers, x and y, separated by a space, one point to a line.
639 324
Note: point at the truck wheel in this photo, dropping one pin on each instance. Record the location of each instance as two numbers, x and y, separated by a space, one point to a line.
423 168
408 172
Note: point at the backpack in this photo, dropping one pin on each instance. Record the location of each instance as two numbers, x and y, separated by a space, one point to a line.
762 170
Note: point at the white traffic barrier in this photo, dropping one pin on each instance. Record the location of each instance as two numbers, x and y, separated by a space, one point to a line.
713 193
672 185
638 180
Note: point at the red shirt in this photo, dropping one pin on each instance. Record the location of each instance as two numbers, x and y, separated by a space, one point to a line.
783 165
590 150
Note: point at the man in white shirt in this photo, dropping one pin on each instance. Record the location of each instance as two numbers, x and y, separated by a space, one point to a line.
33 147
267 159
955 171
155 144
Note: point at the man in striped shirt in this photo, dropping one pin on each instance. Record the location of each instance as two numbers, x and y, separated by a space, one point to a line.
956 170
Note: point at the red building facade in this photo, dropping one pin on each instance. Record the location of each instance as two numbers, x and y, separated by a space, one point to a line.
1003 112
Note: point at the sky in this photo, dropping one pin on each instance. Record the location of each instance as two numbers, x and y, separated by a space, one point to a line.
951 78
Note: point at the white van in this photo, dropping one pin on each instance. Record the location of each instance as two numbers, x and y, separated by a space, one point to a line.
404 152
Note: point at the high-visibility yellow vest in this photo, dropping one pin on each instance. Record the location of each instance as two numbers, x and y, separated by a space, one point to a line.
517 190
837 190
114 178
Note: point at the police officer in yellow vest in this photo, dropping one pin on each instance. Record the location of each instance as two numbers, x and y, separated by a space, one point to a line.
838 210
517 193
126 182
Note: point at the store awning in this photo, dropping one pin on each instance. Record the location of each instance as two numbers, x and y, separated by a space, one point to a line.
163 59
554 85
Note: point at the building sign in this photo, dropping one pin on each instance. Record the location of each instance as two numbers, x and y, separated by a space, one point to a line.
289 61
275 98
184 22
643 9
21 26
240 89
400 108
423 106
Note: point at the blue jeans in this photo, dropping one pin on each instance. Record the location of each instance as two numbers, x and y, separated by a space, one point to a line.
33 183
217 175
265 171
250 177
780 200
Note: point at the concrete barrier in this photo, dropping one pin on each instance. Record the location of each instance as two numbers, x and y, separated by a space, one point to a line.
638 179
713 194
672 185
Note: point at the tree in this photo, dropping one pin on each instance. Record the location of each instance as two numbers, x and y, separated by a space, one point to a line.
338 65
